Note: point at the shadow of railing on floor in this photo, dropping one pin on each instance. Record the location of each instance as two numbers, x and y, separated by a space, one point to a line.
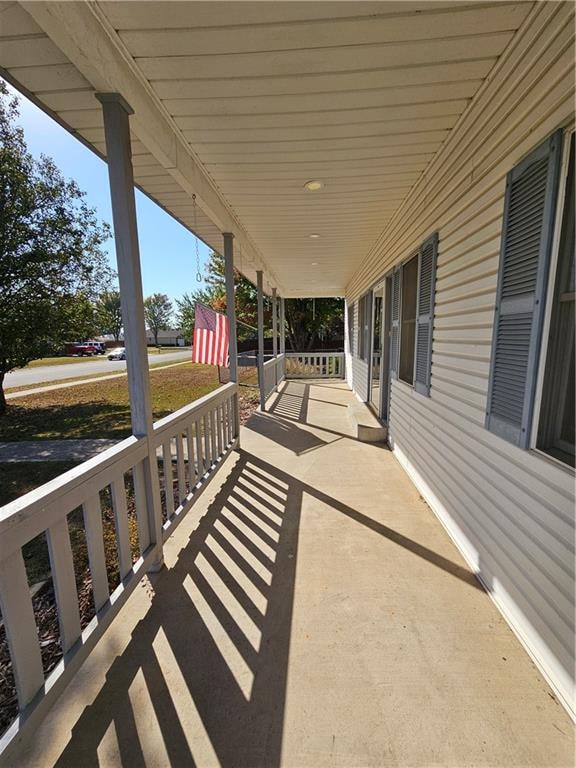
211 654
285 433
203 678
292 402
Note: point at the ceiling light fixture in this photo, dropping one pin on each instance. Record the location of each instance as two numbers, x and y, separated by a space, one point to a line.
314 235
314 263
314 185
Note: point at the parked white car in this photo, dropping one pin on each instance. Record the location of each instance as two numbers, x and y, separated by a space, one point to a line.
118 354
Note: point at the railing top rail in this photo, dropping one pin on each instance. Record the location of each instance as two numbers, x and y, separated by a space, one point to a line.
16 511
71 487
25 518
314 352
270 363
196 408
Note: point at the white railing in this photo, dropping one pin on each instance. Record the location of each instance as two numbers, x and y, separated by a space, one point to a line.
315 365
190 444
280 368
269 370
274 374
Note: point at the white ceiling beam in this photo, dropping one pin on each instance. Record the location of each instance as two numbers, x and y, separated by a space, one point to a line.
83 34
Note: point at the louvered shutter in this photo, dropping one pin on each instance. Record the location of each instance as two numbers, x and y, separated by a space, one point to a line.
529 210
425 314
395 324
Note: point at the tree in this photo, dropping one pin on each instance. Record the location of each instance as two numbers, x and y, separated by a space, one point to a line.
109 313
309 322
158 312
185 307
50 249
78 317
314 322
214 295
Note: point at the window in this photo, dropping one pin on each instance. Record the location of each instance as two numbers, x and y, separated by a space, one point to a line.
530 207
408 319
411 317
363 326
556 421
351 308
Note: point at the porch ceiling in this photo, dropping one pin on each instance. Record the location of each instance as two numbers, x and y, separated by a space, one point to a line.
243 103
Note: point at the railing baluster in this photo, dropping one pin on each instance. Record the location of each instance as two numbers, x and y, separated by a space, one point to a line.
92 513
213 434
199 453
118 489
168 476
181 473
225 423
231 422
20 626
220 427
64 580
191 463
141 507
207 454
306 365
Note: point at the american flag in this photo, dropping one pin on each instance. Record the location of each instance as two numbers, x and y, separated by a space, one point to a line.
211 337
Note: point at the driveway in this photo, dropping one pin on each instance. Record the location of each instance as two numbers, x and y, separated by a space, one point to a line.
47 373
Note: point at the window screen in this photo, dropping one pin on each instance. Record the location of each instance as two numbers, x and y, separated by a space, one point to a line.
556 424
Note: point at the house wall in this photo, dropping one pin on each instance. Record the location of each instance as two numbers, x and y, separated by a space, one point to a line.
510 511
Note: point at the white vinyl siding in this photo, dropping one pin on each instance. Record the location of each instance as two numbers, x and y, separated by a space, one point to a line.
510 511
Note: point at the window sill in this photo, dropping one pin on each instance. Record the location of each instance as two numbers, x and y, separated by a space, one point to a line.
404 385
552 460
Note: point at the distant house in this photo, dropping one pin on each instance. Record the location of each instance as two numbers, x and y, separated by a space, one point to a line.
172 337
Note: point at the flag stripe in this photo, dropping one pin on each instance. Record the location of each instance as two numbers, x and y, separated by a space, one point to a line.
211 337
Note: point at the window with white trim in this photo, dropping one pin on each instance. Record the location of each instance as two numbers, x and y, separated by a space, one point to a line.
363 326
411 317
556 419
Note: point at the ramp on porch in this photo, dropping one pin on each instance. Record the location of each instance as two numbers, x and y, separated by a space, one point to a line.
313 612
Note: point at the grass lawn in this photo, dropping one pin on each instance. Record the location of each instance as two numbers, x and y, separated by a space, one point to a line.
18 479
101 409
64 360
164 350
67 359
68 380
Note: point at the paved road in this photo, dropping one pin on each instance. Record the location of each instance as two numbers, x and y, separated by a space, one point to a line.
27 376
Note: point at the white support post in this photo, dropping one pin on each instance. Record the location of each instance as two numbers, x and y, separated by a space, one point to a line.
261 340
116 112
231 313
282 327
275 334
274 323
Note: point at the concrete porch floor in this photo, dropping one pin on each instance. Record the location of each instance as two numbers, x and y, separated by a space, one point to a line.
313 612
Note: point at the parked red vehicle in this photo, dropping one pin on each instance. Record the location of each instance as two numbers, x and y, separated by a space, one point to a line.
85 350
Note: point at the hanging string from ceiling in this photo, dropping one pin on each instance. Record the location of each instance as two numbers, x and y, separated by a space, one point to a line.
195 215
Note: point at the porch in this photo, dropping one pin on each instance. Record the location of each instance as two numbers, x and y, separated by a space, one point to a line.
313 611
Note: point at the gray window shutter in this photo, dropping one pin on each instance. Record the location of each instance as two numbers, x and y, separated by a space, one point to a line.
528 228
425 314
395 324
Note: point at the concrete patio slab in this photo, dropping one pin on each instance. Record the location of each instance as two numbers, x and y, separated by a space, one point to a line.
313 612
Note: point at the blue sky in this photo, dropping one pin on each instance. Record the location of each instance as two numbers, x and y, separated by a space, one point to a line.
167 250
